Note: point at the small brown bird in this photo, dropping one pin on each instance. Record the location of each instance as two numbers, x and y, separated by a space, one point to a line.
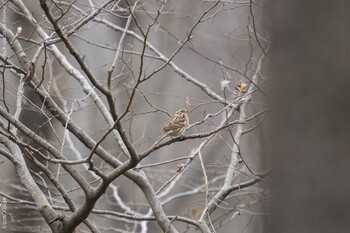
177 125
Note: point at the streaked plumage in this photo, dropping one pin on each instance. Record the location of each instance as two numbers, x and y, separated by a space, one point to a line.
177 124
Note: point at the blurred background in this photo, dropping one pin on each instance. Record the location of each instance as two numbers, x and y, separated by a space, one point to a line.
310 72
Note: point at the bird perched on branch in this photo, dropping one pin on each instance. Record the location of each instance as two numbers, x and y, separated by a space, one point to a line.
177 124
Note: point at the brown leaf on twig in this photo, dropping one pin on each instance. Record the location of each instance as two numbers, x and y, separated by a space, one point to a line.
18 32
194 212
30 74
241 86
224 84
180 167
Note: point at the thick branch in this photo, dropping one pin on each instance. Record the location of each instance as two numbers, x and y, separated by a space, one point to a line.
43 205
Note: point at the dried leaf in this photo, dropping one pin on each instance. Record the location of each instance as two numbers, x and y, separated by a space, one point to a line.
180 167
241 86
194 212
224 83
18 32
30 74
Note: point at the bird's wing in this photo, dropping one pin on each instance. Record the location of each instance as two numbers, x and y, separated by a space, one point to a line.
171 125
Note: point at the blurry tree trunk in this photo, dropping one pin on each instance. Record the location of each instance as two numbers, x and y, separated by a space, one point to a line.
310 69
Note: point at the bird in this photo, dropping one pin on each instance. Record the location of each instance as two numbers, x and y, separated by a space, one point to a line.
177 125
174 127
